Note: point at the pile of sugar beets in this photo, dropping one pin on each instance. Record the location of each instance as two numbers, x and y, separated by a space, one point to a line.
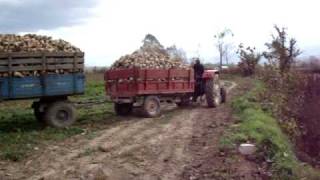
152 55
34 43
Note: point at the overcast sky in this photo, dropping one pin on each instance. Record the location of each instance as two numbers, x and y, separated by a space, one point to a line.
108 29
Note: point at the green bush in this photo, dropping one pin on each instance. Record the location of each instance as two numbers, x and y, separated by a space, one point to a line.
259 127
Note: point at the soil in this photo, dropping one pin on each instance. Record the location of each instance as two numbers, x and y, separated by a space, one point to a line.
308 144
182 144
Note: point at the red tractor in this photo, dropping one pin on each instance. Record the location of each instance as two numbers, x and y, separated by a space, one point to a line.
147 88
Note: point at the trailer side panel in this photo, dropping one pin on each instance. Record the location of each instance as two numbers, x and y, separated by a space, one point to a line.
41 86
139 82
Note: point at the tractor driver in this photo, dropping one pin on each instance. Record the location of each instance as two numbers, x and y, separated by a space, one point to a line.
198 72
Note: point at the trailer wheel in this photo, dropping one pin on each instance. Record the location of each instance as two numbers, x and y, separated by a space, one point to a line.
151 106
60 114
184 101
38 115
36 111
223 93
212 92
123 109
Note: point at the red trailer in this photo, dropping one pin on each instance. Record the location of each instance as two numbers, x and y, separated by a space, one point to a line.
146 88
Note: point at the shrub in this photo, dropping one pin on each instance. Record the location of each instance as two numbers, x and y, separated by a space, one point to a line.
249 60
259 127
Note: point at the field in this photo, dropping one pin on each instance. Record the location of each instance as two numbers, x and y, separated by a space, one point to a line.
102 145
195 142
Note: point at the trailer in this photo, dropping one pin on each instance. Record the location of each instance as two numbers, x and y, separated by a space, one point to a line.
49 78
147 88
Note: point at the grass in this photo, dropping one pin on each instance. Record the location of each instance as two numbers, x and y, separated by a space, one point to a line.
21 134
259 127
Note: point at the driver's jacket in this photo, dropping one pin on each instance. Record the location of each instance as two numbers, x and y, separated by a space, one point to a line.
198 71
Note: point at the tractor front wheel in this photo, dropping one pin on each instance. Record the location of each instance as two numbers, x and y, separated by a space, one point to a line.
213 94
223 93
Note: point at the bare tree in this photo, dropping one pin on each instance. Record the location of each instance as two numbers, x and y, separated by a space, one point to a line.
222 46
282 51
228 52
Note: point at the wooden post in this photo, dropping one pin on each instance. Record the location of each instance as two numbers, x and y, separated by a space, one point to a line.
169 79
135 80
10 64
145 79
74 72
74 62
44 63
10 83
43 75
189 79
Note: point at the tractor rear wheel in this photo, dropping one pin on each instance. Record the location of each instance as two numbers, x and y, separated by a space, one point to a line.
223 93
123 109
212 92
151 106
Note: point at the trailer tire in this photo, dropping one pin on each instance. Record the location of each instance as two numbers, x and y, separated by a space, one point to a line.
212 92
60 114
37 113
151 107
123 109
184 101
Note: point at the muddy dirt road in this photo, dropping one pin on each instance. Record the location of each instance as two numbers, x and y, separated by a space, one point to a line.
182 144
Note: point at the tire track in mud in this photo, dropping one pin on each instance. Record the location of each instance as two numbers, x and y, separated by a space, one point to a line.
153 150
117 141
208 161
56 162
140 141
172 141
135 149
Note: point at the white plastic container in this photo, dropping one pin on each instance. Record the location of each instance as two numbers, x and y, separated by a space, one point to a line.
247 149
